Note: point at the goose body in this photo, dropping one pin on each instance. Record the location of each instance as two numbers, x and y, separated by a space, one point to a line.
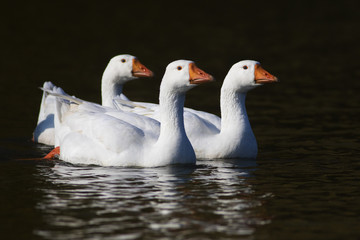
120 69
94 134
230 136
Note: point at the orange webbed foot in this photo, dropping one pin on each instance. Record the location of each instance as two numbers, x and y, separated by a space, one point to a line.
53 154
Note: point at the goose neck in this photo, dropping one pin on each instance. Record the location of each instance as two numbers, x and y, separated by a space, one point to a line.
110 87
233 110
172 112
172 146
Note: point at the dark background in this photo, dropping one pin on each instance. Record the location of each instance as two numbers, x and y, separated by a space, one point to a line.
307 44
306 126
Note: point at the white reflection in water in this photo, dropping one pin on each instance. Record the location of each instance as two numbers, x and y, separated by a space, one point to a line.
87 202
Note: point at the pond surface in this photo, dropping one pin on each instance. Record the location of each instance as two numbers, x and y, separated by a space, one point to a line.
304 183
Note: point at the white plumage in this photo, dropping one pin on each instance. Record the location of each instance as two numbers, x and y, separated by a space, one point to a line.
231 135
93 134
120 70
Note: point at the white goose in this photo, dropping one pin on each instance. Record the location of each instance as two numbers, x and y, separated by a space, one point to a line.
231 135
120 69
89 134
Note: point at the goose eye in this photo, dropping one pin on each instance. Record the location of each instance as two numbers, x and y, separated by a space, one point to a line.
179 68
123 60
245 67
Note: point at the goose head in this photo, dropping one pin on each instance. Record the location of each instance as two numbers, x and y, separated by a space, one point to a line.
246 75
182 75
125 67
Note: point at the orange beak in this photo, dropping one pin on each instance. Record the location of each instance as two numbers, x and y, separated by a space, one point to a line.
139 70
262 76
198 76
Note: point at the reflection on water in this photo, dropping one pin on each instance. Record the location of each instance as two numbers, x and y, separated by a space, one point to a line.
209 200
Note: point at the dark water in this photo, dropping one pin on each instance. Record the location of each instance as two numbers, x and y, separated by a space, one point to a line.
304 183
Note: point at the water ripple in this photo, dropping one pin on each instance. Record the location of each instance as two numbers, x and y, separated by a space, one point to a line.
211 199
